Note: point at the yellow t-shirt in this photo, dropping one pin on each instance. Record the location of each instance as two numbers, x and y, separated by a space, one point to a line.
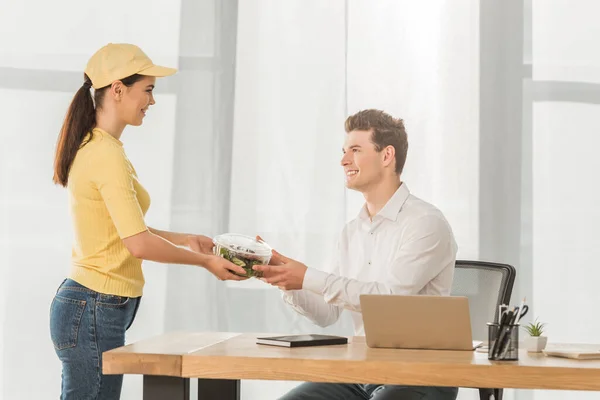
107 204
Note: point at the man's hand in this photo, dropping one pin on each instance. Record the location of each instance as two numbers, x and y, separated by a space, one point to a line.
283 272
200 244
276 258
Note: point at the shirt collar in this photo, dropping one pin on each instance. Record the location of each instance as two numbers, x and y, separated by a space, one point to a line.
392 207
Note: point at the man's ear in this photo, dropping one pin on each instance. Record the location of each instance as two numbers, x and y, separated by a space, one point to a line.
389 156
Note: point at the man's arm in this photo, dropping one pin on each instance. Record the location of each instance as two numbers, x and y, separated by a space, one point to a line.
305 303
429 249
313 307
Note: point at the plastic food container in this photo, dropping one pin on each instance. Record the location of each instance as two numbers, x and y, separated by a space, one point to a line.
243 250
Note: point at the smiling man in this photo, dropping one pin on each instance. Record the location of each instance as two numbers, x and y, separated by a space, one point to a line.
398 244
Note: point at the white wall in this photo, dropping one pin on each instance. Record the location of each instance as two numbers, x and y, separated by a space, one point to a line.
565 225
565 39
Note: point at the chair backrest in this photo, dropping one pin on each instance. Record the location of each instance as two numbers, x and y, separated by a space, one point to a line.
486 285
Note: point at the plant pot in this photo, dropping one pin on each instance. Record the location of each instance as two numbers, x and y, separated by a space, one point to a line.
535 344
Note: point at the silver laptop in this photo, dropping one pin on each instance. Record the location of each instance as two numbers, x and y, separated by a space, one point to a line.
417 322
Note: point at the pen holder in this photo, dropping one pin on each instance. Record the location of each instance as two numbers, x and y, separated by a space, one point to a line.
503 342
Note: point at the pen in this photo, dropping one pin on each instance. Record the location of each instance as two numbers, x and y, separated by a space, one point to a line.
508 334
517 315
507 337
501 309
521 308
497 319
502 330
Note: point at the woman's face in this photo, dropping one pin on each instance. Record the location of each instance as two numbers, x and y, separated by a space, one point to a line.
135 100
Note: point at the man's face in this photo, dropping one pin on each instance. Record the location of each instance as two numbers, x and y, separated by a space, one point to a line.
363 165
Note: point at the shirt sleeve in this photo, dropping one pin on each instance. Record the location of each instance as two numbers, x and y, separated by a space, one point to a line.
114 180
312 305
428 248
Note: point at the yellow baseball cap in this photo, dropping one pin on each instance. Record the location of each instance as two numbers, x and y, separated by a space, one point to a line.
119 60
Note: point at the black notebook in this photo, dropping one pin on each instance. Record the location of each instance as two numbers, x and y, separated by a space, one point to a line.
302 340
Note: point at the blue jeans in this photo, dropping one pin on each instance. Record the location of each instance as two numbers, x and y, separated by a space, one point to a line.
346 391
83 325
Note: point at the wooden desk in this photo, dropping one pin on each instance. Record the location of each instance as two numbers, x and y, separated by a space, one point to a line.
220 360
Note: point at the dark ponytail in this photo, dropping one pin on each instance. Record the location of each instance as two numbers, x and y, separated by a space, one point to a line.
80 119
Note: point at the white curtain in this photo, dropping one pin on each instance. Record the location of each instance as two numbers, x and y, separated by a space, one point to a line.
43 50
247 138
302 67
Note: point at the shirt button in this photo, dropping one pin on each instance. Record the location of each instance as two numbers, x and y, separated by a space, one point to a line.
369 262
371 233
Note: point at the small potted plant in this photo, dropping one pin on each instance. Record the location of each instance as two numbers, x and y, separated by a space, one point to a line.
535 342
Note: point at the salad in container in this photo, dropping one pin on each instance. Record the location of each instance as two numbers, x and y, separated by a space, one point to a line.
244 251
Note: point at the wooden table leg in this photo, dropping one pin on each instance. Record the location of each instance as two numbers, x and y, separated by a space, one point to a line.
166 387
218 389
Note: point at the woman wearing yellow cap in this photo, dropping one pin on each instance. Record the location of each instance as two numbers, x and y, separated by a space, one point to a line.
97 303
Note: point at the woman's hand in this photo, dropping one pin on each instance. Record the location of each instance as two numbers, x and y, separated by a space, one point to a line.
218 266
151 246
222 269
200 244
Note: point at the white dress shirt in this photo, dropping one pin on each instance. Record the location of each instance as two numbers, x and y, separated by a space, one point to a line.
408 248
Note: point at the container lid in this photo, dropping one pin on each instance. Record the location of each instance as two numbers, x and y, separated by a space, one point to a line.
243 244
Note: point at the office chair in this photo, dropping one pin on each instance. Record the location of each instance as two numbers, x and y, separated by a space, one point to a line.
486 285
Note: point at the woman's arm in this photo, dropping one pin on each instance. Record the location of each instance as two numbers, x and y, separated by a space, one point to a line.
152 247
199 243
179 239
114 181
